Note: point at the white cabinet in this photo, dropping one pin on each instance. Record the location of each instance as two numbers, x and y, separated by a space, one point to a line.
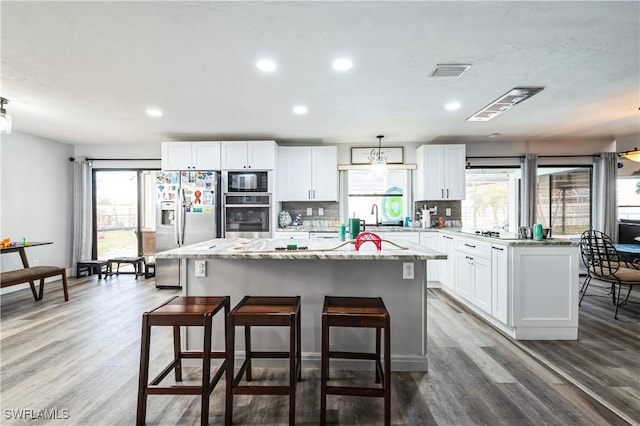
190 155
308 173
432 240
500 283
441 172
446 269
238 155
473 272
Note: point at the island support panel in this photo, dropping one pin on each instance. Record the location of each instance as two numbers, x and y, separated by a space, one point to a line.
313 280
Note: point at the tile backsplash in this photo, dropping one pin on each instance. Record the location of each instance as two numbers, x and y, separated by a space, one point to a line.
442 206
331 211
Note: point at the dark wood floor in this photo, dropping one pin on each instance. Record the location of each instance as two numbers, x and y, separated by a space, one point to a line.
82 356
605 359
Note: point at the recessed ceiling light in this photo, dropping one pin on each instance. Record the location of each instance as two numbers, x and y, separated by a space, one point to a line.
153 112
452 106
266 65
342 64
300 109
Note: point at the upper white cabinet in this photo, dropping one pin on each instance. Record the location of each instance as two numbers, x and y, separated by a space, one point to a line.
238 155
308 173
190 155
441 172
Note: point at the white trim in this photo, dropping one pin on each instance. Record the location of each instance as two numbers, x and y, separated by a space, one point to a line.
368 166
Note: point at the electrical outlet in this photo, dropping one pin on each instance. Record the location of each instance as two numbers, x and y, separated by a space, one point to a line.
320 211
36 262
407 271
447 211
201 268
309 211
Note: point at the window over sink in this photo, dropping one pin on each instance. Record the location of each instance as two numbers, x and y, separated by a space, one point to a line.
390 192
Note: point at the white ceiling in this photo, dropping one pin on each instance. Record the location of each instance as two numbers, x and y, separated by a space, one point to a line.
84 72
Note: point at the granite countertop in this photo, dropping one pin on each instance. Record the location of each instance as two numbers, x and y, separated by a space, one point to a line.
320 249
509 239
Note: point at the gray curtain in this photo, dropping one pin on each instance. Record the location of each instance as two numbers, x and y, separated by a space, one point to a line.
529 189
82 212
604 196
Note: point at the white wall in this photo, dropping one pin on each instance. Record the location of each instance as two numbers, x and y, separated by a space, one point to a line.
36 190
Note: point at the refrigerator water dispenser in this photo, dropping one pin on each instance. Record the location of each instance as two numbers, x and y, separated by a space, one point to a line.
168 216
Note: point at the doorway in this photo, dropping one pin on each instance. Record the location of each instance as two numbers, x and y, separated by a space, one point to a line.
124 213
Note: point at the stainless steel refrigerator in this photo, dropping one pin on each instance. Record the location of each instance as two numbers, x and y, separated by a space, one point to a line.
188 212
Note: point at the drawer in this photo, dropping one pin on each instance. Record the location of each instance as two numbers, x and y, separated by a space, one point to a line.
474 247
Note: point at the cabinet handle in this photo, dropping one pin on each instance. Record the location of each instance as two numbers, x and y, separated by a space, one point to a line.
314 194
309 194
441 193
497 248
447 192
469 245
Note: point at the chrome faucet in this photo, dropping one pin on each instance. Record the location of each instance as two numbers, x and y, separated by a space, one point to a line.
375 207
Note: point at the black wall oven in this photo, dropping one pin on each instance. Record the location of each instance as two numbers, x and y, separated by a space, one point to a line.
247 215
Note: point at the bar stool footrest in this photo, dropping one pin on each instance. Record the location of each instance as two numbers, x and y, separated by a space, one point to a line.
352 355
355 391
261 390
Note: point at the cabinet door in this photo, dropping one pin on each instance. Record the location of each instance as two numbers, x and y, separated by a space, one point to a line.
482 283
206 155
431 240
446 268
499 283
454 172
176 156
261 155
234 155
324 173
291 235
433 163
297 162
464 279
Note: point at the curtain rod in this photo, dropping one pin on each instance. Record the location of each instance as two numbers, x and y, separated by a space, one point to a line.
117 159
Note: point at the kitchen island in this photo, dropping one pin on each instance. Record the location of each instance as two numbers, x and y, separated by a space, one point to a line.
239 267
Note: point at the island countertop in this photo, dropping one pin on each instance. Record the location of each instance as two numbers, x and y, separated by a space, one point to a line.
320 249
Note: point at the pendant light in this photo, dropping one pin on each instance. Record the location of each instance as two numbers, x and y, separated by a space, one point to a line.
5 119
379 163
633 155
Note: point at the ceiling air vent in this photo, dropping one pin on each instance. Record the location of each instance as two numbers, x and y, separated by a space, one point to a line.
450 70
505 103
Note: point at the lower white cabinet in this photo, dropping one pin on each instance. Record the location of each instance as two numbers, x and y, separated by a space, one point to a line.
291 235
446 269
528 290
500 283
473 272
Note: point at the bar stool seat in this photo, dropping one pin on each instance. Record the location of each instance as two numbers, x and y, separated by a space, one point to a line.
264 311
369 312
176 312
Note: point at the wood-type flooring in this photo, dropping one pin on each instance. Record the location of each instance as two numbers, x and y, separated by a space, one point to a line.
79 361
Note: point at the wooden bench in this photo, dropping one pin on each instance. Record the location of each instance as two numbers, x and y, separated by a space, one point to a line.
34 273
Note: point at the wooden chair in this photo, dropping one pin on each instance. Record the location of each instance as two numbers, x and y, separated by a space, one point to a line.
604 263
268 312
369 312
177 312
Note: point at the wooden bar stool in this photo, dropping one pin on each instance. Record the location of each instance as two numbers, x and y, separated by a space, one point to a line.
368 312
177 312
264 311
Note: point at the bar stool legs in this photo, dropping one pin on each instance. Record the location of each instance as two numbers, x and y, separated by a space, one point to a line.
177 312
356 312
264 311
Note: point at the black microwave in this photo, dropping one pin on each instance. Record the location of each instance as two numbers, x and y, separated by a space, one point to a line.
247 182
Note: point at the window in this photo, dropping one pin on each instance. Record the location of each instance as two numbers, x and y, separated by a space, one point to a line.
628 195
389 192
564 200
492 199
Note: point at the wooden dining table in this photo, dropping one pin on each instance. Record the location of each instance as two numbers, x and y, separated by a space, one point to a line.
20 248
